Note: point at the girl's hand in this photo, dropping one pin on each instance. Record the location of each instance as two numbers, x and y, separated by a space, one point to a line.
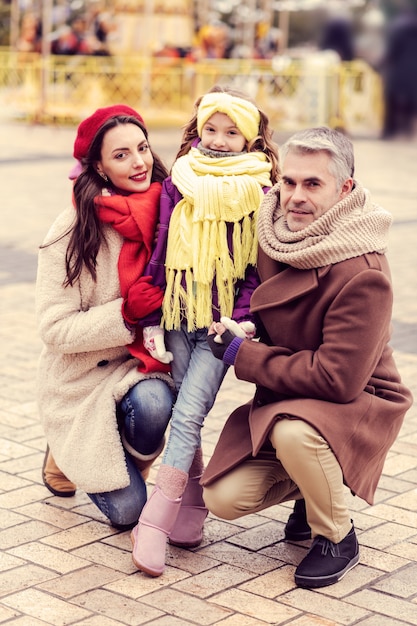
244 330
154 342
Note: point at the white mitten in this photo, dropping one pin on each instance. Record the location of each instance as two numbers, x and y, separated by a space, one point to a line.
244 330
248 328
154 342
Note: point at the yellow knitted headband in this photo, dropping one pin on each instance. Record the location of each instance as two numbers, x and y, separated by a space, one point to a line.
243 113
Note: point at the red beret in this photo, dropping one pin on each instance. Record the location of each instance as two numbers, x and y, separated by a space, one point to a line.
88 128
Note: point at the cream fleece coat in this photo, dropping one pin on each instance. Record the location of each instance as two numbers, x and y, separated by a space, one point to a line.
85 367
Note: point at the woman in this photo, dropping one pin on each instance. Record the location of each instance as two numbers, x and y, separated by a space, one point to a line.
104 402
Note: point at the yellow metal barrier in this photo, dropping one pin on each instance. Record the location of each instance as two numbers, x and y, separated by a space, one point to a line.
294 94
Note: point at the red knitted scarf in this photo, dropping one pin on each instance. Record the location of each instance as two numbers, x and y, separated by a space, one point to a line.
135 218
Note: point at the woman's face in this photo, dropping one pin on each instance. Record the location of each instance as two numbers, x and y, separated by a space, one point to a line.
126 158
308 188
220 133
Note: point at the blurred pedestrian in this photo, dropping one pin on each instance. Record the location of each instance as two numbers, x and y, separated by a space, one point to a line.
30 37
103 27
399 72
104 402
337 35
72 39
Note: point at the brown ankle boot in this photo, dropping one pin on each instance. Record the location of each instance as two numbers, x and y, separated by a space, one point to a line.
54 479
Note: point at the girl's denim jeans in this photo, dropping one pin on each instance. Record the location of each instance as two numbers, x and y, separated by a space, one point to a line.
197 376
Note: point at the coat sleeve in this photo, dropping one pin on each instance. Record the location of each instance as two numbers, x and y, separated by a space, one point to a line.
156 266
244 291
355 332
63 324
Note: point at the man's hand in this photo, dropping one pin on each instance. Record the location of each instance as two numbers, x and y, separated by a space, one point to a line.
226 337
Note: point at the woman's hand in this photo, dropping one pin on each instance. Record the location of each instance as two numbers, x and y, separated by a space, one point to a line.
143 298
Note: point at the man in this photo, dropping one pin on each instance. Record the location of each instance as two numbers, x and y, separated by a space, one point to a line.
329 400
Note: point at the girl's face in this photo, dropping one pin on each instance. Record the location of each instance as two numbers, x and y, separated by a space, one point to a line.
126 158
221 133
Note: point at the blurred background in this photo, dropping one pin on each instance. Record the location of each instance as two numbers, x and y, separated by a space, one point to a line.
348 64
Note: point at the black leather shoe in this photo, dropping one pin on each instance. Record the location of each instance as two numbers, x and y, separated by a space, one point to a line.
327 562
296 528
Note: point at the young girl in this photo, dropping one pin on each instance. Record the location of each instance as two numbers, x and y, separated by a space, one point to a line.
205 261
97 385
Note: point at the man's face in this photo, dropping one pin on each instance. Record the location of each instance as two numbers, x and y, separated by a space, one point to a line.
308 188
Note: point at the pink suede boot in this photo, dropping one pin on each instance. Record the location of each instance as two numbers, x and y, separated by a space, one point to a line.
187 531
149 537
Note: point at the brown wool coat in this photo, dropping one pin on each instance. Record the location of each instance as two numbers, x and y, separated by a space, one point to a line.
328 362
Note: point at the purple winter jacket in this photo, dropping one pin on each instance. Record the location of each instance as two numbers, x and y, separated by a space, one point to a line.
244 288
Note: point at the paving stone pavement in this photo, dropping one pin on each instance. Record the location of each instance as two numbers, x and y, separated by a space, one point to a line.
61 563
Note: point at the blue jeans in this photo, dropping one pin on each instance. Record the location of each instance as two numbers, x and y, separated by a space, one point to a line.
144 413
197 376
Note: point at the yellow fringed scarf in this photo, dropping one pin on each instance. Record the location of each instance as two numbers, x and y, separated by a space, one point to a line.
215 191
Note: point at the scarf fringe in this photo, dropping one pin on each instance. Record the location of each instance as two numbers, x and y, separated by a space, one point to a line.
218 194
194 302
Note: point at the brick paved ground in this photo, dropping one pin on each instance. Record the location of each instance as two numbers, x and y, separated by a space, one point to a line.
61 563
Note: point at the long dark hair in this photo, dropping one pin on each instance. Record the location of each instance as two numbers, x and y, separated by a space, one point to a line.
87 230
262 143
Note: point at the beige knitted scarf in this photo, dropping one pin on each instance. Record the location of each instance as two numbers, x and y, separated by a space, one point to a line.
352 227
216 191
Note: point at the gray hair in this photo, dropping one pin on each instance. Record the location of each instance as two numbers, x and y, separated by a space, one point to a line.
335 143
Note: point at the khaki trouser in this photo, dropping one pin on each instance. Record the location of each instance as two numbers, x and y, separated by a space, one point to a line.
302 466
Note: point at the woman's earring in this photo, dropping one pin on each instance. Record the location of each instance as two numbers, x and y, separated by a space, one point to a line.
103 176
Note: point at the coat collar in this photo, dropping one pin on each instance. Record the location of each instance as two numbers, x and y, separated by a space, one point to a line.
285 286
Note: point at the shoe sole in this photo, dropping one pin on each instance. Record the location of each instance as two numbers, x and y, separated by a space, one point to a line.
312 582
55 492
145 570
